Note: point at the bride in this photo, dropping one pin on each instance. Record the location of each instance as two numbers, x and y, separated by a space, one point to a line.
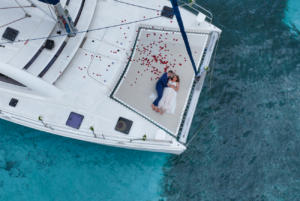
169 97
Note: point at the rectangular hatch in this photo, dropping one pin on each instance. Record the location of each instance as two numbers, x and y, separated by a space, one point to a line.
10 34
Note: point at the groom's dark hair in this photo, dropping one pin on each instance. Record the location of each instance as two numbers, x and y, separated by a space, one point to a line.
170 71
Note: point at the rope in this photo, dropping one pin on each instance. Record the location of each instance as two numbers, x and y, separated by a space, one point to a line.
11 23
26 14
209 95
139 6
199 130
15 7
50 7
87 30
22 8
212 70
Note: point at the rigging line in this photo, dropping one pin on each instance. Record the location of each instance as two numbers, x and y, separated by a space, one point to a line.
151 18
15 7
209 94
87 30
27 15
51 12
211 74
140 6
200 130
11 23
49 7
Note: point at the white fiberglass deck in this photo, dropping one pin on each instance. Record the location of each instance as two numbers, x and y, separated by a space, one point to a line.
89 70
157 51
37 26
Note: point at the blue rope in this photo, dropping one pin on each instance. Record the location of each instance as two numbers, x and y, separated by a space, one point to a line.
88 30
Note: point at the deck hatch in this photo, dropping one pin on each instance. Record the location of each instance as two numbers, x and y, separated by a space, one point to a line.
166 12
123 125
10 34
75 120
13 102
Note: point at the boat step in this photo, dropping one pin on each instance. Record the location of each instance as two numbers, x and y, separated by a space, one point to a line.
37 66
55 69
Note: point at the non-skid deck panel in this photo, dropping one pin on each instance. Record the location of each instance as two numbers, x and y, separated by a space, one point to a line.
157 51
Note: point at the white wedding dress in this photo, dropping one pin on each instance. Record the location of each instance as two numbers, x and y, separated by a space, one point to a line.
169 99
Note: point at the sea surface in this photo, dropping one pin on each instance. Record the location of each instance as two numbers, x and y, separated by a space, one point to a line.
248 150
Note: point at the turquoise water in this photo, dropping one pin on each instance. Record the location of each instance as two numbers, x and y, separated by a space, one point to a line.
40 166
249 150
292 13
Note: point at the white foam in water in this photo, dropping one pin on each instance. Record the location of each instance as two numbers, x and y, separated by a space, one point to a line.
292 14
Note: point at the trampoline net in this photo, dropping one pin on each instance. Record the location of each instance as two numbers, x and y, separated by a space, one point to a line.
155 52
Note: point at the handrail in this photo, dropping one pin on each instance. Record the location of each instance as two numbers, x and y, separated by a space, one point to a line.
190 5
107 137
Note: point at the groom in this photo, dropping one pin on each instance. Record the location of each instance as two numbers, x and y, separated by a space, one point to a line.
160 85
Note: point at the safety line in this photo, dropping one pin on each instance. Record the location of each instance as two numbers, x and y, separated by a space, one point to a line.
86 30
199 130
27 15
140 6
212 71
209 95
11 23
15 7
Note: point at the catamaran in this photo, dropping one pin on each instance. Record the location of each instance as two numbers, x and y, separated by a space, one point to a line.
86 69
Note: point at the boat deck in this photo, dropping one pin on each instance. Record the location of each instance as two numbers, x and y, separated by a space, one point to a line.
155 52
93 83
37 26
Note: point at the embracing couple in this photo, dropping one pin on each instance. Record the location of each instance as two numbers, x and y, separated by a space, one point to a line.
166 87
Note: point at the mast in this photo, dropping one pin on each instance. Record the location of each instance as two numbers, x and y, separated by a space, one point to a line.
63 17
184 36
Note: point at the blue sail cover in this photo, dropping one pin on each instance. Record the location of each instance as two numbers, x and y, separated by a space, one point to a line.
183 33
53 2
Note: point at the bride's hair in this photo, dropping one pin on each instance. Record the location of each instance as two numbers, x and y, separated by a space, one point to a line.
178 80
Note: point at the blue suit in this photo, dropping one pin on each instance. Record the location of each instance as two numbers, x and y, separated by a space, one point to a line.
160 85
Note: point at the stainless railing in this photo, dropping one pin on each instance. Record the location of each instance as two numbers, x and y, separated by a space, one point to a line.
196 8
108 137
